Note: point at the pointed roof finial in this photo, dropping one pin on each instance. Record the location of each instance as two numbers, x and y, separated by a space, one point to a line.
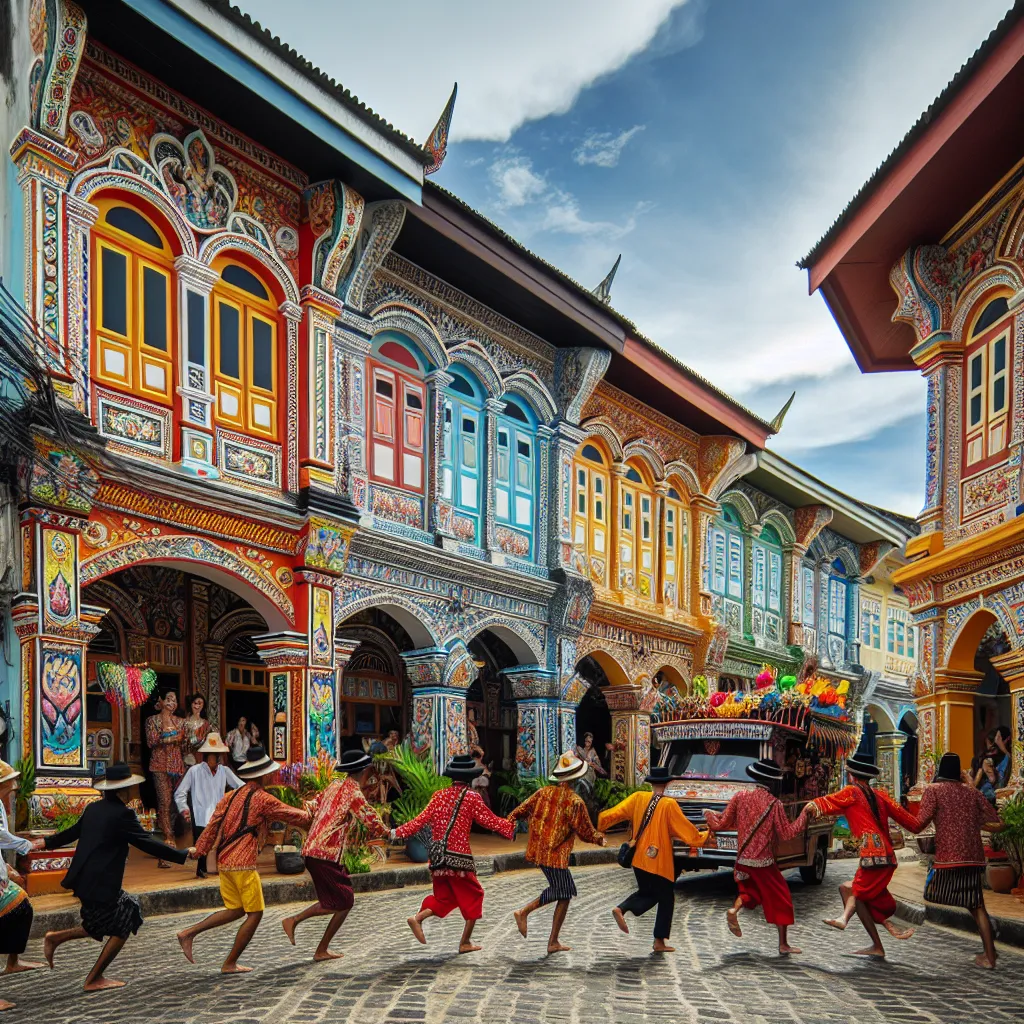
604 290
437 144
777 422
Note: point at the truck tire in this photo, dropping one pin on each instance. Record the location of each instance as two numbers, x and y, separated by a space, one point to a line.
814 873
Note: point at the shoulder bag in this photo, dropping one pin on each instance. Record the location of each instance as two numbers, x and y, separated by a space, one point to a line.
443 859
627 851
757 824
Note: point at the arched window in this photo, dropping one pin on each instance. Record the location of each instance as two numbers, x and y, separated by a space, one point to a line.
396 414
463 452
590 511
245 351
515 477
766 584
675 545
727 541
636 531
988 358
133 302
838 589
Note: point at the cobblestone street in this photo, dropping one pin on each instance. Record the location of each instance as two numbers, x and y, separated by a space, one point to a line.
386 976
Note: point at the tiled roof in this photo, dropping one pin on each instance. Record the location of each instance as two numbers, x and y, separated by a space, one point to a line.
318 77
920 127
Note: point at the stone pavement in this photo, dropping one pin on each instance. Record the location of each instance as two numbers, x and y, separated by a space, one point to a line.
386 976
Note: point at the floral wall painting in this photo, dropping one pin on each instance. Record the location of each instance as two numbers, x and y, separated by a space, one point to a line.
60 576
322 626
323 722
60 705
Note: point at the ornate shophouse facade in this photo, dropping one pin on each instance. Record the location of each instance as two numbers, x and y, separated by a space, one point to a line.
925 270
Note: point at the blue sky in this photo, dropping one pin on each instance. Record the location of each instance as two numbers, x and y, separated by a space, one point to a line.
711 142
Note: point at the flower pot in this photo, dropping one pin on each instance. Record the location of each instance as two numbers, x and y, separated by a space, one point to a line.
1000 876
417 850
288 860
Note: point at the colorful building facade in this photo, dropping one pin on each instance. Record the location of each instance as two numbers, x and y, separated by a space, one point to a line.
925 270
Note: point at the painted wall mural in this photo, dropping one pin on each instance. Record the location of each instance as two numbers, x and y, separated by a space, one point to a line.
61 721
60 579
323 714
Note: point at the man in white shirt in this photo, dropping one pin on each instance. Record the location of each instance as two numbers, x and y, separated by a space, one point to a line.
239 740
206 782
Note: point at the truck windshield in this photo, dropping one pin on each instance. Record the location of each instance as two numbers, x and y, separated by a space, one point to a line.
693 759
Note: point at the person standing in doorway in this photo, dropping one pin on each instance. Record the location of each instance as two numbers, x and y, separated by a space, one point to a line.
203 788
654 821
165 735
239 740
197 728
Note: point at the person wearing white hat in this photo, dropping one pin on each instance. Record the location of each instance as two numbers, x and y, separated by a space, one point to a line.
237 832
206 782
557 816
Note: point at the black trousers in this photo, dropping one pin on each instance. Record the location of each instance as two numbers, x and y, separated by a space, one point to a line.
197 831
652 890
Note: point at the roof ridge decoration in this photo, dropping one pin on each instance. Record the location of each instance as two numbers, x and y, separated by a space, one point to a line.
604 290
781 414
437 144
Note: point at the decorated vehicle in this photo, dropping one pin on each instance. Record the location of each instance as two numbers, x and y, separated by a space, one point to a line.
708 741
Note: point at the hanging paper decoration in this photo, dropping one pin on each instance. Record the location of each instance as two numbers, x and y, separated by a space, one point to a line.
127 686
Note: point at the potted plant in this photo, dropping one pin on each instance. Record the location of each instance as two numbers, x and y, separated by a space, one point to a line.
287 795
419 783
1009 841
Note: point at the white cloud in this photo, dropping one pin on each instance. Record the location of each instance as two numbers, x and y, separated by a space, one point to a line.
516 181
604 148
513 62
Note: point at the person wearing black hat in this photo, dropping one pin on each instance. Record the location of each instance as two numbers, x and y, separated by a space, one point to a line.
761 824
654 822
960 813
237 832
450 815
867 812
104 832
336 812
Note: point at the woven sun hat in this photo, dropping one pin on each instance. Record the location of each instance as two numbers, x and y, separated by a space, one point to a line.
213 744
463 767
7 772
353 761
257 764
765 771
568 768
949 769
861 768
118 776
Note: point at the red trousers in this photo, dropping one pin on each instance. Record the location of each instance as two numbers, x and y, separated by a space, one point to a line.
765 887
870 885
451 892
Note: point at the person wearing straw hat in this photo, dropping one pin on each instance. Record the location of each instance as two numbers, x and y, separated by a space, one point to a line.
557 816
237 832
654 821
760 823
104 832
15 909
206 782
867 812
450 814
337 813
960 813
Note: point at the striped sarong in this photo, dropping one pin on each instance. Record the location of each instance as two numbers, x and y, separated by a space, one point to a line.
560 885
955 887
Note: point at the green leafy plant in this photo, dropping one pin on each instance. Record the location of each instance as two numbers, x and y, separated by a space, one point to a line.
419 783
286 794
608 793
1011 838
357 860
26 787
514 788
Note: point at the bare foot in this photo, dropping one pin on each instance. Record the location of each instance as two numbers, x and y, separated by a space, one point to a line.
733 917
4 1005
897 933
785 950
235 969
417 930
520 922
185 941
875 951
49 948
660 946
101 983
468 947
836 922
557 947
620 920
319 956
983 961
288 924
23 965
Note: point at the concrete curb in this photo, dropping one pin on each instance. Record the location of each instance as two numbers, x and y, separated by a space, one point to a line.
1006 930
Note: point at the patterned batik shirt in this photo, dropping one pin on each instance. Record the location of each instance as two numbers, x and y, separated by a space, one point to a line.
335 812
743 812
557 816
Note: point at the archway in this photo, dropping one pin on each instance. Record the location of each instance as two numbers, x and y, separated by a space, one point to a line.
909 754
490 709
874 720
592 715
993 708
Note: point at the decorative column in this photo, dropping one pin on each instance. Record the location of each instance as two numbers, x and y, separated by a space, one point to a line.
888 746
545 494
80 218
631 734
489 536
793 556
286 656
564 442
541 714
940 362
953 701
440 517
214 654
439 680
1011 667
702 511
351 347
292 314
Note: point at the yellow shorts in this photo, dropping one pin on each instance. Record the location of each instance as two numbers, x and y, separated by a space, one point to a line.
242 890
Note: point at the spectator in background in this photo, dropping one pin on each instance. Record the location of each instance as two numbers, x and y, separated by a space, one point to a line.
239 740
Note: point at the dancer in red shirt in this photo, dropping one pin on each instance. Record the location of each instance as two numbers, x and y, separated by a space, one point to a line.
760 822
868 812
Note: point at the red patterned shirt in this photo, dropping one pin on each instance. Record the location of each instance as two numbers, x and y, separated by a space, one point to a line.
557 816
959 812
438 813
335 811
165 746
743 812
876 847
